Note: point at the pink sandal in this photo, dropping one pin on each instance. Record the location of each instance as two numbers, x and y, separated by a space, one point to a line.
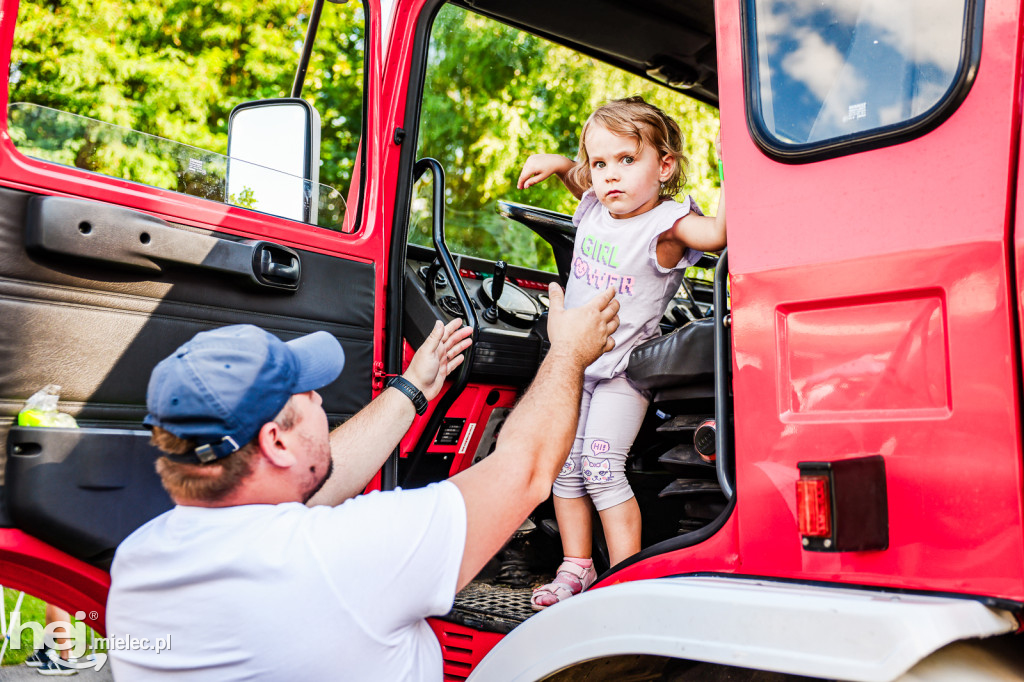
570 580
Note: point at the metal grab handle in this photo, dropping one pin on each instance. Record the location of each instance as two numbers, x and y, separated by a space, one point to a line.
723 367
441 246
468 314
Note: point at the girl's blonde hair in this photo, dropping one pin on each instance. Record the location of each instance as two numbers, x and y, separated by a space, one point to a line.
647 124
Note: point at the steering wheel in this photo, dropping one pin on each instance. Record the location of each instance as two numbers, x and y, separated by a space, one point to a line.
444 256
554 228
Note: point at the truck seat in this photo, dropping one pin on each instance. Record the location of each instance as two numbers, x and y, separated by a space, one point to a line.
677 366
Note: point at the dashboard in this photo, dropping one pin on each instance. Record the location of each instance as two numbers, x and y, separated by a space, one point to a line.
511 342
512 333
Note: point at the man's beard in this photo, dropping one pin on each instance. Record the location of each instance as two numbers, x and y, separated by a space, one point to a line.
317 485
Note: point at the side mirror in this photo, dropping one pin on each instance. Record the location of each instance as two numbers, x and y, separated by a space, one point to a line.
274 158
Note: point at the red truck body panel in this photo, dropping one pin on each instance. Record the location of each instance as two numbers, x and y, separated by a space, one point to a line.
873 313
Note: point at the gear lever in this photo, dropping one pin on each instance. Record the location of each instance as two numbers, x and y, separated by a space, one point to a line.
497 286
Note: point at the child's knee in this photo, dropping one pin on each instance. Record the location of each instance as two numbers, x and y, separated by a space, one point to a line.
606 481
569 482
607 495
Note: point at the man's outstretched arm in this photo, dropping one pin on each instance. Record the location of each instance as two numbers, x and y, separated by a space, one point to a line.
361 445
502 490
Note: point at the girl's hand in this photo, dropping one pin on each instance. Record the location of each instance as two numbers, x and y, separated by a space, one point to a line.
540 167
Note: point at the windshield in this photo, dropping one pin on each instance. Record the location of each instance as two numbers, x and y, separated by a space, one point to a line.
494 95
105 85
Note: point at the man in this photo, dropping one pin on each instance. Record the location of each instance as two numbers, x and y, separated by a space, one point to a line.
245 582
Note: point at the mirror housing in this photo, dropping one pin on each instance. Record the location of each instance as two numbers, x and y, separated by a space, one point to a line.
274 157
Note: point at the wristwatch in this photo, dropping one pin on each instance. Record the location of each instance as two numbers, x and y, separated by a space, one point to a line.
419 401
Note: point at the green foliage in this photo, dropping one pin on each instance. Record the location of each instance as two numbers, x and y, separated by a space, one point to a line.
245 198
176 68
143 64
32 609
494 95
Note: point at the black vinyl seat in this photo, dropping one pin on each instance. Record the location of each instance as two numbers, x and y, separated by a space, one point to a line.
677 366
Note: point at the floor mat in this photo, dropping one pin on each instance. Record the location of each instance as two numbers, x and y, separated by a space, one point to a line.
493 608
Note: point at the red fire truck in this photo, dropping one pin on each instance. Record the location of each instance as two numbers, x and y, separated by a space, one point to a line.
830 474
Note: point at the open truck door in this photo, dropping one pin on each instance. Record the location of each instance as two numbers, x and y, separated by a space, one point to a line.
119 245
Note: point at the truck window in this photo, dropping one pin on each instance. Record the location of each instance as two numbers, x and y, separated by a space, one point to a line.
834 77
142 91
494 95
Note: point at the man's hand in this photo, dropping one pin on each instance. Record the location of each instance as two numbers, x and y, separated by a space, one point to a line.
439 355
585 333
360 446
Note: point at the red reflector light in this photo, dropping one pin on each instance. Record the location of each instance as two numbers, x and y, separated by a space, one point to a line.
813 506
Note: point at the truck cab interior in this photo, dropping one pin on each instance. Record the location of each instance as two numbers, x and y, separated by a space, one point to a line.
467 224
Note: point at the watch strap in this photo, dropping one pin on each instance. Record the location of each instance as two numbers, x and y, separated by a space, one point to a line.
419 401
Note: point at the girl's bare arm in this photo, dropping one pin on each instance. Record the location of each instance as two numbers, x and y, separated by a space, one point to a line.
540 167
701 233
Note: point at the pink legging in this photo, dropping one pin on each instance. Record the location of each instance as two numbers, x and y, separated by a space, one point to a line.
611 412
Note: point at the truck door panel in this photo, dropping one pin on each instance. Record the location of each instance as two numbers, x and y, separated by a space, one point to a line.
97 329
872 316
95 316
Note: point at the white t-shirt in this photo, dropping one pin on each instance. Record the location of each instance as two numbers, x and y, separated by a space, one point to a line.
279 592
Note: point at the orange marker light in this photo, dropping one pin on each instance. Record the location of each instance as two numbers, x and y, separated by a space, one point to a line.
813 506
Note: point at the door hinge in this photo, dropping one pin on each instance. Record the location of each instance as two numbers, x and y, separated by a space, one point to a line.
380 376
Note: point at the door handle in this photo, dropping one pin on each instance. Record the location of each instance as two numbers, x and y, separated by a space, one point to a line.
278 263
112 234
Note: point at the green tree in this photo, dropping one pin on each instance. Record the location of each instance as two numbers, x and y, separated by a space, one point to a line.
493 96
176 68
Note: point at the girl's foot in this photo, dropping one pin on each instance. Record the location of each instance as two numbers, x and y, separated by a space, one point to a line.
573 576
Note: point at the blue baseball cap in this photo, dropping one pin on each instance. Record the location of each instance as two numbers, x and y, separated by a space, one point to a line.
221 387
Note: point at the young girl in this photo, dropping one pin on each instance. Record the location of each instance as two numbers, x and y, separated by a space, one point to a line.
631 235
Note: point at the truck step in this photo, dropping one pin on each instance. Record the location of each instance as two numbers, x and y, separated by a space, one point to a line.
492 608
684 459
682 423
690 486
